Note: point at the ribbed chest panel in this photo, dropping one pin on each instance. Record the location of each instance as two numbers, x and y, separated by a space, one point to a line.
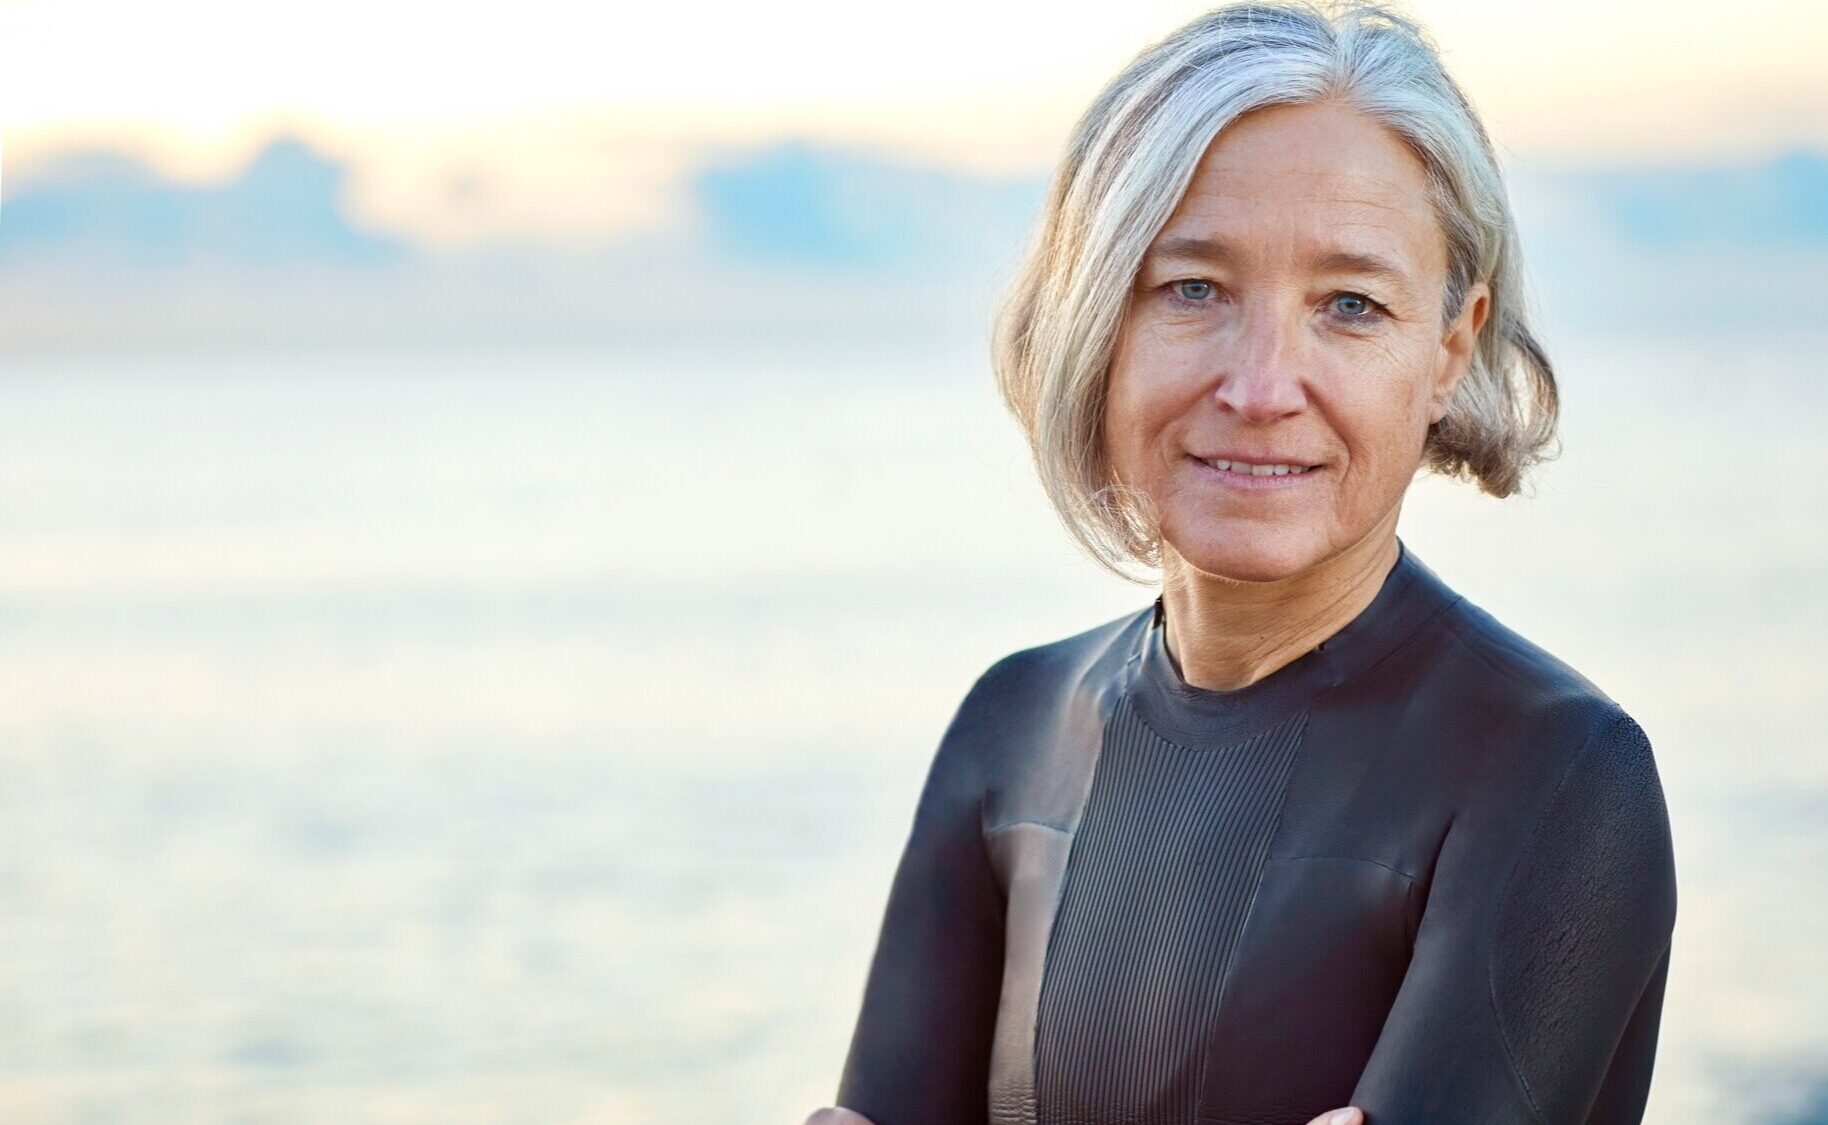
1160 879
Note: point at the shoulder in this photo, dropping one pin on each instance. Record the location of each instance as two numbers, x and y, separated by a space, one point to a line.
1032 673
1531 748
1575 768
1027 690
1513 695
1508 668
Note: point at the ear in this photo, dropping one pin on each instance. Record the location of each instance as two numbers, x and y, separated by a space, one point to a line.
1455 356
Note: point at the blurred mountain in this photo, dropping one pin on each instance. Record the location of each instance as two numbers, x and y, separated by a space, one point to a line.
788 243
1731 247
795 204
1782 203
103 212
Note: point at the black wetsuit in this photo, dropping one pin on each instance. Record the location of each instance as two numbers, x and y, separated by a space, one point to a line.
1424 869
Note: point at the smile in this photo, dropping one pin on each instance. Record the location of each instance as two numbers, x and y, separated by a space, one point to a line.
1243 475
1245 468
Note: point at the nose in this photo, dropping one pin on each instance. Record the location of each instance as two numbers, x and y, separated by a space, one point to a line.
1260 372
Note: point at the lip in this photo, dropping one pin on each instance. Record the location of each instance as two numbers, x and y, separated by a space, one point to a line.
1255 458
1249 483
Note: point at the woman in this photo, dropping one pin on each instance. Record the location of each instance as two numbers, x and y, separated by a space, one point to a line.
1312 830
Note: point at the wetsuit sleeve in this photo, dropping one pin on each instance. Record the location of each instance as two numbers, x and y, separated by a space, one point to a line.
1536 984
920 1052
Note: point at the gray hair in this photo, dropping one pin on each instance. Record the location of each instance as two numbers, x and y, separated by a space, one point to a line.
1127 165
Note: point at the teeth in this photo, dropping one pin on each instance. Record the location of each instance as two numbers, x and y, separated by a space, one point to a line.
1258 470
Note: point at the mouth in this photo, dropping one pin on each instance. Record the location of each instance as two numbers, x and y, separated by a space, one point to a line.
1256 477
1248 468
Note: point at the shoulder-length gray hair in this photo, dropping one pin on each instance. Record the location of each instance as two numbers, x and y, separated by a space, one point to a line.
1129 161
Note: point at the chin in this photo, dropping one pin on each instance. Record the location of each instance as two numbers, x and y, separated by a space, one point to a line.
1247 553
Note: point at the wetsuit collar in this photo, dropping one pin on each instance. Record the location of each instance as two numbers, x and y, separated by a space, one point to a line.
1203 718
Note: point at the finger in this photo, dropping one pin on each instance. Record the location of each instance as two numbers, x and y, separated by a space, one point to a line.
1351 1115
837 1116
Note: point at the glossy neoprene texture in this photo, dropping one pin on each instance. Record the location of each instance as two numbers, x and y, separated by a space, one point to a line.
1425 869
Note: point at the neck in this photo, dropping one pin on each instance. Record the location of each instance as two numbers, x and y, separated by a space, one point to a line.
1226 634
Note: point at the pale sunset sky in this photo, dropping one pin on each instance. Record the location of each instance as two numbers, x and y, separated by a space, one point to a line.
547 118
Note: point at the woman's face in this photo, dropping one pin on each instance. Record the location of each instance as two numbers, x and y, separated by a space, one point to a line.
1289 312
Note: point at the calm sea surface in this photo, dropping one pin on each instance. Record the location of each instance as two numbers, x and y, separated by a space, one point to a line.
510 737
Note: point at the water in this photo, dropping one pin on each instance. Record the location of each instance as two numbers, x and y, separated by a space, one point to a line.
530 736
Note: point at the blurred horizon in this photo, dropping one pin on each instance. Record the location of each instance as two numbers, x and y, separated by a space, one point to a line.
99 249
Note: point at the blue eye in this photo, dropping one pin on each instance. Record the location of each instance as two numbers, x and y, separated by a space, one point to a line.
1205 288
1357 306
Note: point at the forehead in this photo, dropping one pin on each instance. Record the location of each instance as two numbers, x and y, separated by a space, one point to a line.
1321 178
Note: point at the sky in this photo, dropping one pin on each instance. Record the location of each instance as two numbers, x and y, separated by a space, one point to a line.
569 119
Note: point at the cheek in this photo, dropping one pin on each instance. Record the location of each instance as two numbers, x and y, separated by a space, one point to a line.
1120 426
1143 398
1384 421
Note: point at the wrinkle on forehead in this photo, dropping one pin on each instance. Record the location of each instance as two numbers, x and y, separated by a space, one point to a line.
1365 193
1400 227
1327 168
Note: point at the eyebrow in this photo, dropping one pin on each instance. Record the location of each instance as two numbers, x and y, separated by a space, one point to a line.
1332 261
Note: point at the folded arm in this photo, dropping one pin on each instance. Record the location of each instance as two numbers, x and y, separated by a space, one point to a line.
1536 985
921 1049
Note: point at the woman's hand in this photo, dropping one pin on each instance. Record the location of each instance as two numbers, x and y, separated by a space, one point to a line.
1348 1116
